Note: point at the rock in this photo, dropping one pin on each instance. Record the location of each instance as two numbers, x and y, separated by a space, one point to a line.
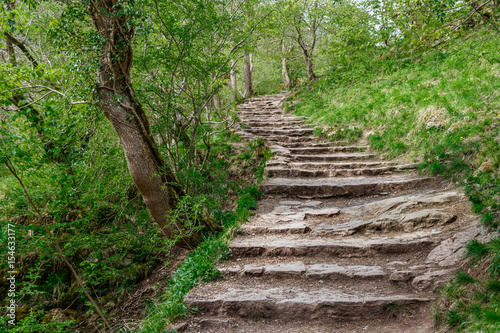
294 268
428 279
401 276
253 269
417 268
233 270
396 263
311 203
282 210
290 203
325 212
403 203
333 270
178 327
422 282
451 250
426 218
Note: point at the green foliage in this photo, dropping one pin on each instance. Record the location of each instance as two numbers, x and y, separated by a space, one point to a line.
37 322
200 266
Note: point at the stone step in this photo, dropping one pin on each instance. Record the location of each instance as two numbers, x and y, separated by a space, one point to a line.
317 144
333 187
267 119
297 302
407 319
281 132
431 219
333 157
306 245
259 106
299 269
426 218
261 112
304 173
273 124
284 138
326 150
343 165
272 128
275 139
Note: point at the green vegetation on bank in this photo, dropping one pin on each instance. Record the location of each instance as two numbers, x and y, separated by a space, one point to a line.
113 243
439 107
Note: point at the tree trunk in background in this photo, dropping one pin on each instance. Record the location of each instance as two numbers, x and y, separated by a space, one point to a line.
287 84
153 178
247 75
216 99
232 82
309 64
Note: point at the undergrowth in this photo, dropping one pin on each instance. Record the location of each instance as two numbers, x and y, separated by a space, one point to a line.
107 233
200 265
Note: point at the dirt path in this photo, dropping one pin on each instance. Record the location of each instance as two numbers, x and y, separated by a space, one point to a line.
342 242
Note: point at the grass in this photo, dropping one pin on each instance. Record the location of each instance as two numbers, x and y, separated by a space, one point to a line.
440 108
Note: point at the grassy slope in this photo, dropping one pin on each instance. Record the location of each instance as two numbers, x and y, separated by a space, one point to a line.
440 108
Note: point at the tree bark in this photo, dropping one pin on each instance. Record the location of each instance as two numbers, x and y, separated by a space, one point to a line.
309 65
153 178
287 83
247 75
217 102
232 82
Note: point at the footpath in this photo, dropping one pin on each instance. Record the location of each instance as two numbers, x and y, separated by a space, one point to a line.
343 240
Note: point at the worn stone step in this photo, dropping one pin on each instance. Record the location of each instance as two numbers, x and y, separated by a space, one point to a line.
256 106
302 223
342 165
284 138
317 144
278 118
304 173
333 157
422 219
285 302
299 269
332 187
272 128
274 124
281 132
261 112
407 319
327 150
305 245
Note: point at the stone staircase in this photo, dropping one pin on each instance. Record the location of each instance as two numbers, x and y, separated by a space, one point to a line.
343 241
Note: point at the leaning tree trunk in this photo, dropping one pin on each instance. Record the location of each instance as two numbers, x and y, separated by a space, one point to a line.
287 83
153 178
247 75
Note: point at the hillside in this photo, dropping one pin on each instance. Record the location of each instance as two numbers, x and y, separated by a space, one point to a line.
441 109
